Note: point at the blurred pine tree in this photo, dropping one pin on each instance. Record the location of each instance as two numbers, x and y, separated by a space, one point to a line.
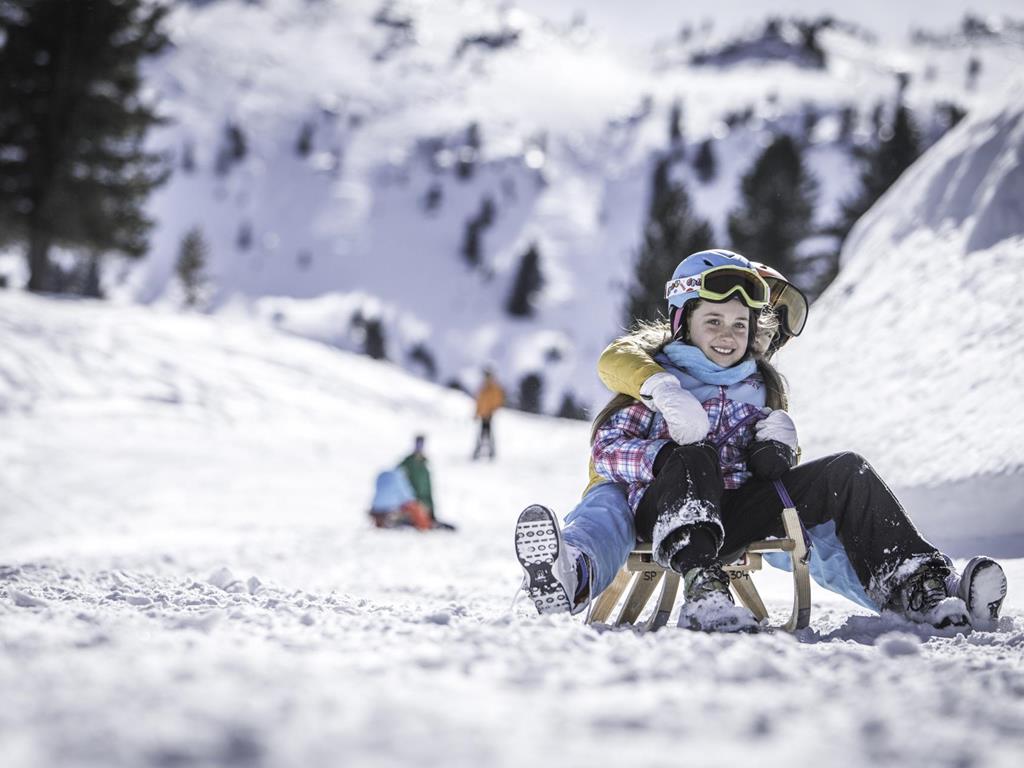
776 209
73 169
191 264
529 280
895 152
673 231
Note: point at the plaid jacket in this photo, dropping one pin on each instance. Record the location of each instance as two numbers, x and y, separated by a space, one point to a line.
626 445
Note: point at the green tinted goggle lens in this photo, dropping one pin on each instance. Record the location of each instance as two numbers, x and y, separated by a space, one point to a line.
721 284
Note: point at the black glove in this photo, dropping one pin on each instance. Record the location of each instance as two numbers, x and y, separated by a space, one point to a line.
770 459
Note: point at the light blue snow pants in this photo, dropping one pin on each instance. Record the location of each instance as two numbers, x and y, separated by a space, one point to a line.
601 526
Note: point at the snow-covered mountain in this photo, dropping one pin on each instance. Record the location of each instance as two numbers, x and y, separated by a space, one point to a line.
338 158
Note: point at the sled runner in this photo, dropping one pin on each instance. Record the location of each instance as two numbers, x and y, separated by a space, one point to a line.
640 576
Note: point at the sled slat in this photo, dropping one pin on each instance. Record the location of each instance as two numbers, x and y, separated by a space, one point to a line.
607 600
744 588
666 599
801 616
640 591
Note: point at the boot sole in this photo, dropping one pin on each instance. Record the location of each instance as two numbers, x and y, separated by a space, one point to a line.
538 544
986 588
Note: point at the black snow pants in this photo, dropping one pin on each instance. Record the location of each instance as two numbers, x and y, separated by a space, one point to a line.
843 488
486 438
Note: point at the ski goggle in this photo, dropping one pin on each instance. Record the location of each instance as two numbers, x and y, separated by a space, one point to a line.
721 283
790 304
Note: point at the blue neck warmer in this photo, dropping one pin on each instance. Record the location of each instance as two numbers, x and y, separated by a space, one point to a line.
696 363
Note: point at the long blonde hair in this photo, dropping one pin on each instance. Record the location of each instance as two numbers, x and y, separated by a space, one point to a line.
652 337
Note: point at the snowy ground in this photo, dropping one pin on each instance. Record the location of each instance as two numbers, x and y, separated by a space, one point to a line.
186 579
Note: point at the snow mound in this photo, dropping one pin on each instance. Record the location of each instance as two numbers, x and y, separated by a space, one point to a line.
912 356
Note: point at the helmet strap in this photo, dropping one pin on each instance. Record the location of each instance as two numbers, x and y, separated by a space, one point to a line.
755 318
678 323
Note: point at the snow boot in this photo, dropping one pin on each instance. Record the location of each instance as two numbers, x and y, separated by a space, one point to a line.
709 606
923 597
549 567
982 588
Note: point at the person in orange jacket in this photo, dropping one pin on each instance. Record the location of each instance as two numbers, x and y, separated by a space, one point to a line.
488 400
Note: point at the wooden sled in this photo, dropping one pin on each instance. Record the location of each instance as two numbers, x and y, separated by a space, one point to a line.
640 576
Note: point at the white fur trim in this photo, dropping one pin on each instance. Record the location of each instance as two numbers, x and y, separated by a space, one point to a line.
689 512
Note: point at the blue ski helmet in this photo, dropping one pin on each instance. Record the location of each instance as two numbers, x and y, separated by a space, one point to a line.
699 262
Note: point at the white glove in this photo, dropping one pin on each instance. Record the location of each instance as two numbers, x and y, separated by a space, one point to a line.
686 418
778 425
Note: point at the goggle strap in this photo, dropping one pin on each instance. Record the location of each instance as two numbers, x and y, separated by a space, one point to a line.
695 283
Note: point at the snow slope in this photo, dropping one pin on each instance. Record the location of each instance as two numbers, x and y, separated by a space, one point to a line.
915 355
186 578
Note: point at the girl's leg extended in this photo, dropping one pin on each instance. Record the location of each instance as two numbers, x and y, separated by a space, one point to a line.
565 570
839 498
601 527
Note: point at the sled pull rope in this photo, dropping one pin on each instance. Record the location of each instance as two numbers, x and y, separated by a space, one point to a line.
780 487
750 417
787 502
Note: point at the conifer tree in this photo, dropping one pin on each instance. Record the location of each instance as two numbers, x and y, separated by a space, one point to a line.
369 329
73 168
570 409
188 157
469 153
882 166
472 245
675 129
776 210
847 122
531 388
91 286
374 342
243 240
191 263
672 232
973 70
705 164
304 144
421 355
529 280
233 149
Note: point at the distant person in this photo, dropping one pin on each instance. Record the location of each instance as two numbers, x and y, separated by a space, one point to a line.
418 473
488 400
395 504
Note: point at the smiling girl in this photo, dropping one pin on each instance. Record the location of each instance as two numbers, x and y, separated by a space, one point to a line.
699 480
715 302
